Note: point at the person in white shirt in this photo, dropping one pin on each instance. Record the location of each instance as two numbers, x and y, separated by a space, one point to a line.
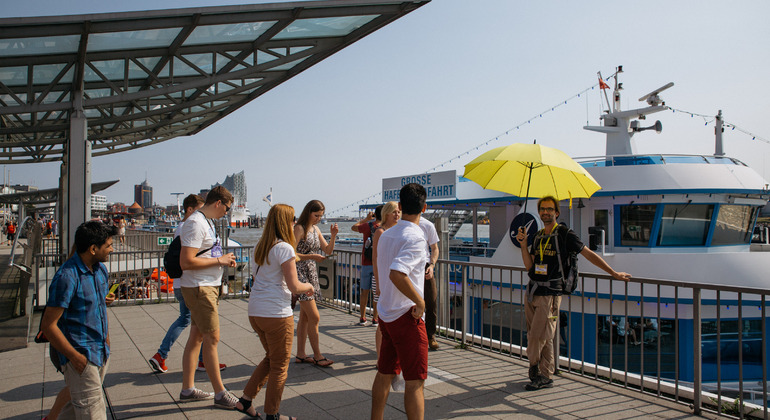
191 203
401 260
201 281
270 313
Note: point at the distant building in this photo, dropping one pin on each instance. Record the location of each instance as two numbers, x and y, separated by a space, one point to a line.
98 202
236 184
143 194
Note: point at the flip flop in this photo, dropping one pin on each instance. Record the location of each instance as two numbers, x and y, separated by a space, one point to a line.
323 362
306 359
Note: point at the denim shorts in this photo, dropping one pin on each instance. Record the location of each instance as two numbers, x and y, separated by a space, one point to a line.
367 273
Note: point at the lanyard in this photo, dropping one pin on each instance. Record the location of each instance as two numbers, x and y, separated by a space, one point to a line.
540 244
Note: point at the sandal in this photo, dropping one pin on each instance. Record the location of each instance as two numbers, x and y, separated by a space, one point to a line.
246 404
306 359
323 362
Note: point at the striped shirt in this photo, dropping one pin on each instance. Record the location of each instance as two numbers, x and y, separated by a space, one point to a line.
81 293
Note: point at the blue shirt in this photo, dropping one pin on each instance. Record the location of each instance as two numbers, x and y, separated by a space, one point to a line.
81 293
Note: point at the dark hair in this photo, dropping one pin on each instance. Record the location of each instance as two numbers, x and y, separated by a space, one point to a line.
312 206
412 198
192 200
378 212
219 193
93 233
551 199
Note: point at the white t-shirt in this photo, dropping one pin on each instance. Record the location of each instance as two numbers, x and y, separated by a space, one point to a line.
401 248
197 232
270 297
429 229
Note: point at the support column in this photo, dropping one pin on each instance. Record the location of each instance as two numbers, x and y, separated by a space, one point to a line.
75 186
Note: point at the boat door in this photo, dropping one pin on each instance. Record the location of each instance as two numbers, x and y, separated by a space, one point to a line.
602 221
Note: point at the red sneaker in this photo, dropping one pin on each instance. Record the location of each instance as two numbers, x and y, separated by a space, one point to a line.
158 364
202 368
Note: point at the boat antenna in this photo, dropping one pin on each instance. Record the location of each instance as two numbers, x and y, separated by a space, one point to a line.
603 86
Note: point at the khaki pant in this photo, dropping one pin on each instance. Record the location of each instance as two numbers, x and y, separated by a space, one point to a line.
542 314
87 399
276 335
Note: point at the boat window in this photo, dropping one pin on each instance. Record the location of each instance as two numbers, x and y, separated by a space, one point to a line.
636 224
685 224
727 341
734 224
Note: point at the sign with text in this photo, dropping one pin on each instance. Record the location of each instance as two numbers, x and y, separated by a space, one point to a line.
438 185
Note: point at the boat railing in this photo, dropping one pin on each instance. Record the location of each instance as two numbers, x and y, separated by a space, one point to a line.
654 159
697 344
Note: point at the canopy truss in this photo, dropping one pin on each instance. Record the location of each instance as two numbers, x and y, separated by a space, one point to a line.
141 78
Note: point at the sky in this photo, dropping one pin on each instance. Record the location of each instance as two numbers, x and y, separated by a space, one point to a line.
451 80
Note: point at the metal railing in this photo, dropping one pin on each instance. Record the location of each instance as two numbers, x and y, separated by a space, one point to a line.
700 345
697 344
141 275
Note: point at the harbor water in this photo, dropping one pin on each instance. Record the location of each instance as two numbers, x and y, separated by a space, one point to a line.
250 237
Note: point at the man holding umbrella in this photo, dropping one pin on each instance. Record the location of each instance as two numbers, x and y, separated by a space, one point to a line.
545 266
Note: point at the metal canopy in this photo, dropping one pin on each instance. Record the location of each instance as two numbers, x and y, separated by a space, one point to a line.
152 76
47 196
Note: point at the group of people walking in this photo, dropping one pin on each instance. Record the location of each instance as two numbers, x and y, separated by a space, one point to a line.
404 253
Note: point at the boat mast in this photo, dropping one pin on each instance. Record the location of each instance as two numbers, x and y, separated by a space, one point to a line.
718 130
618 126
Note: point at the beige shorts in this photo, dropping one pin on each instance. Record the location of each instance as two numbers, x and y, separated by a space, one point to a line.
203 303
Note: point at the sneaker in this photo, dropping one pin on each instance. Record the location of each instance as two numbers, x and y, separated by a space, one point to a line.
363 322
375 323
533 372
196 395
202 368
432 344
227 401
398 383
158 364
539 383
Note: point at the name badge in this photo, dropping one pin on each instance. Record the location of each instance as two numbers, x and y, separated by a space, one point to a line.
216 251
541 269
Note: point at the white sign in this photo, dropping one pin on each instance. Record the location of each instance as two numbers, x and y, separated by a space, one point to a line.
438 185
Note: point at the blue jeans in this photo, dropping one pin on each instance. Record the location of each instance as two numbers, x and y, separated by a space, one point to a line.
175 330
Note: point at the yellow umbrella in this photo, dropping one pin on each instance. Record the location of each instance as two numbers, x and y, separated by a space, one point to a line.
531 170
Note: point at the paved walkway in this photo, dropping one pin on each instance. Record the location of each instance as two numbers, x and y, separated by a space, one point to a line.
462 383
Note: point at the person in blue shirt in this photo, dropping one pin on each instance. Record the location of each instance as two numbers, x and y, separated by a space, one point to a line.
75 320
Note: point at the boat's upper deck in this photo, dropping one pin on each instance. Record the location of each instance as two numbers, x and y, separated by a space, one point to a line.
656 159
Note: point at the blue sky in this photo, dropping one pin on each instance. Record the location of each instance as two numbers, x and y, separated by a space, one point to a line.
451 76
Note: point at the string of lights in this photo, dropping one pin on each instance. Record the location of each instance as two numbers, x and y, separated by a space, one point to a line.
354 205
708 119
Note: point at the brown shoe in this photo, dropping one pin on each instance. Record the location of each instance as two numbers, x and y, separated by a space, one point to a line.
432 343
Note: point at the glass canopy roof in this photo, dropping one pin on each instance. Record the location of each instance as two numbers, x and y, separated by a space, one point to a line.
147 77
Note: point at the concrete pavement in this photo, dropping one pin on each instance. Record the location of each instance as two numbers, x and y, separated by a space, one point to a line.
462 383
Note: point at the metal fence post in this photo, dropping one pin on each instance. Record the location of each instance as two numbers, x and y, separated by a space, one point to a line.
466 308
696 327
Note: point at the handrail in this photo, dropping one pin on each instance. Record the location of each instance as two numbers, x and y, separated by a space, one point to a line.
16 240
479 305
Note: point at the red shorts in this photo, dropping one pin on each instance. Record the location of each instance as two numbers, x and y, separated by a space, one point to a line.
404 348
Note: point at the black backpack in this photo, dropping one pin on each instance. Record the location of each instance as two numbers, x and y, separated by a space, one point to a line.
171 258
369 244
568 262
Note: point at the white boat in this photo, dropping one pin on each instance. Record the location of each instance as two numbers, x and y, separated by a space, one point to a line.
680 218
